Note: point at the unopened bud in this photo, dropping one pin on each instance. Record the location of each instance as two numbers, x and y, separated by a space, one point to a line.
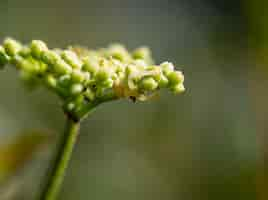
175 77
38 47
72 59
4 58
12 47
177 89
76 88
148 84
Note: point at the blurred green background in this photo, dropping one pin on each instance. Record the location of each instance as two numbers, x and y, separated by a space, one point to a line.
209 143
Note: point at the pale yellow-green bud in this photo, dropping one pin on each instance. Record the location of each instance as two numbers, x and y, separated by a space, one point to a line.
72 59
78 76
118 52
167 67
4 58
148 84
37 48
64 80
12 47
91 65
50 57
51 81
76 88
143 53
163 82
108 83
177 89
175 77
89 94
62 67
25 64
103 74
133 79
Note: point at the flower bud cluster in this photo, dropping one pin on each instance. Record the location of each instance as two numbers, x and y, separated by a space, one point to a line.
81 76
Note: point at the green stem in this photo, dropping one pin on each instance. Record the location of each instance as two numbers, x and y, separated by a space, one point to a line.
59 166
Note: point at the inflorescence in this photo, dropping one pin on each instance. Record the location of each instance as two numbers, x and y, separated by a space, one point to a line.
84 78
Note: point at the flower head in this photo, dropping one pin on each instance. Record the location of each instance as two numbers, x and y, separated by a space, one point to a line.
84 78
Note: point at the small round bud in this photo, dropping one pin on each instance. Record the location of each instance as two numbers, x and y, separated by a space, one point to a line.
155 72
177 89
4 58
51 81
133 80
72 59
50 57
163 81
140 62
143 53
148 83
62 67
77 76
38 47
76 88
103 74
108 83
25 64
70 106
175 77
89 94
91 65
64 80
12 47
167 67
118 52
25 51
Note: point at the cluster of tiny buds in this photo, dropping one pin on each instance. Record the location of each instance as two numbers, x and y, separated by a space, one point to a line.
81 76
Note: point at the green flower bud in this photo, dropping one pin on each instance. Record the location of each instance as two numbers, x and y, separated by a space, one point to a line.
133 80
25 64
148 84
177 89
91 65
64 80
143 53
62 67
25 51
155 72
70 106
175 77
167 67
50 57
78 76
76 88
118 52
50 81
4 58
163 81
72 59
103 74
108 83
12 47
38 47
89 94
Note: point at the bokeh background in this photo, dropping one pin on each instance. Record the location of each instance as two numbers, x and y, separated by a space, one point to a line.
209 143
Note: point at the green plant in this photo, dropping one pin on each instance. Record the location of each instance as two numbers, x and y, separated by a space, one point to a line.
83 79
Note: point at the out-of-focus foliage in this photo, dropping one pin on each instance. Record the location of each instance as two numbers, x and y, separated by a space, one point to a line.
14 155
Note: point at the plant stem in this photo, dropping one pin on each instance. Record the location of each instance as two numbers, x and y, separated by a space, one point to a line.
59 165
